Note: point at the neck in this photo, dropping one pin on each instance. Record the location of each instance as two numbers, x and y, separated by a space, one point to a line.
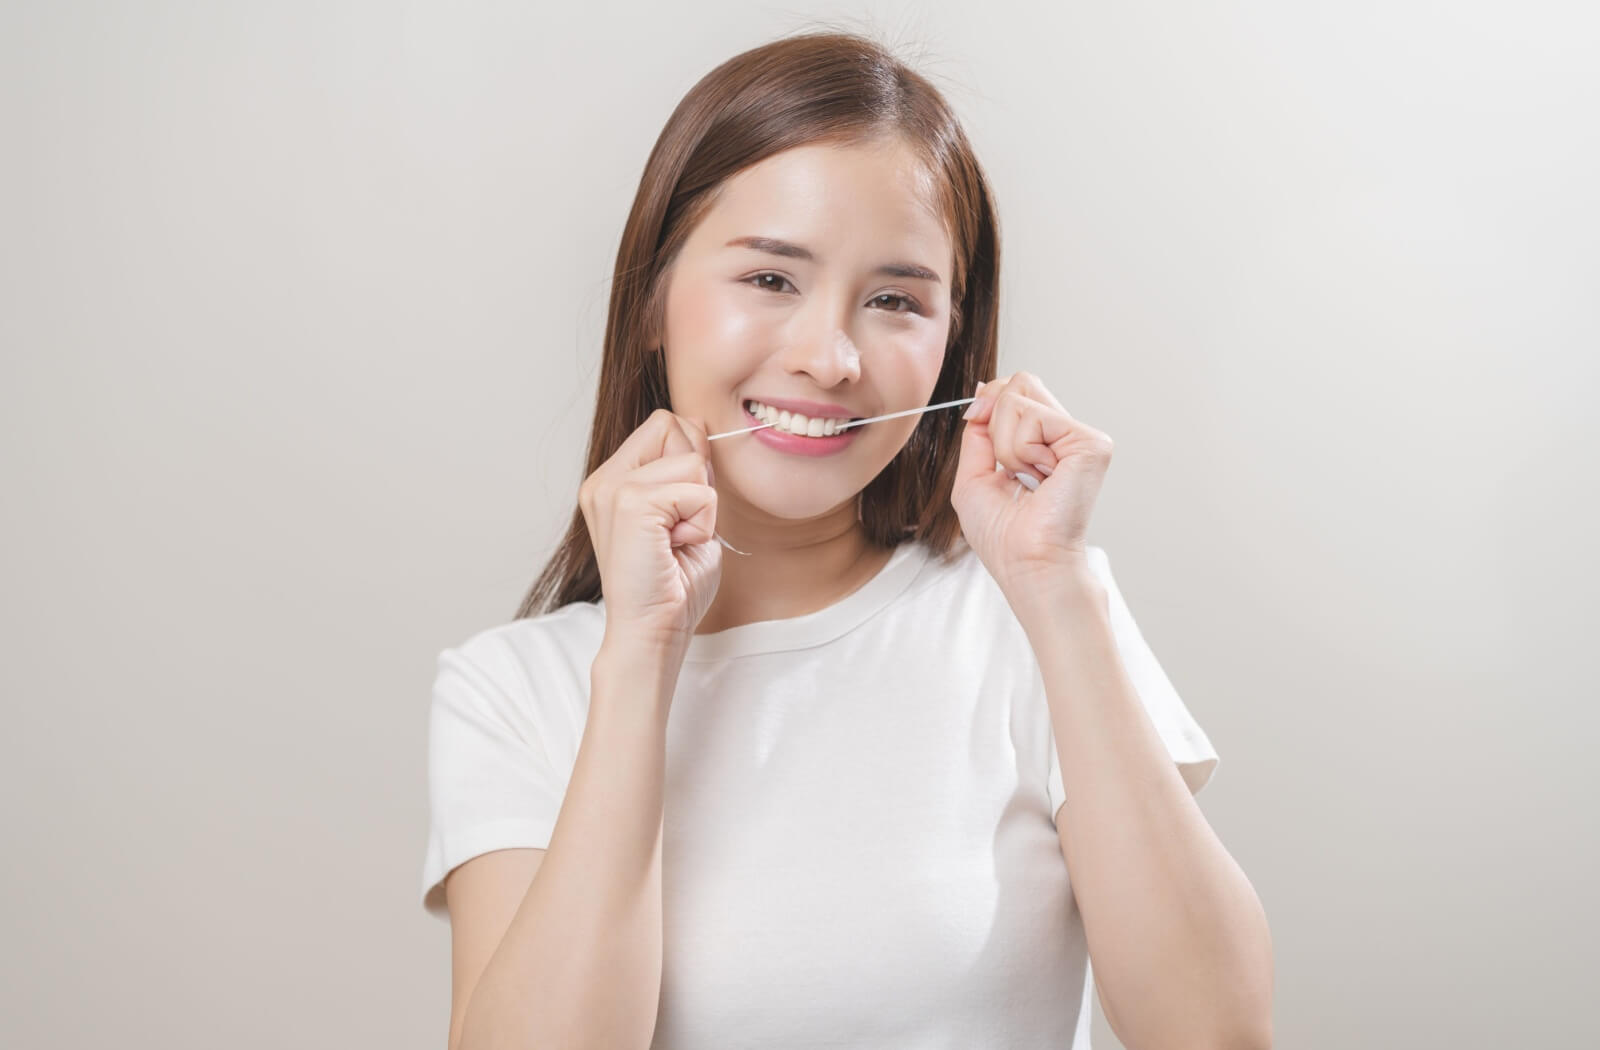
792 569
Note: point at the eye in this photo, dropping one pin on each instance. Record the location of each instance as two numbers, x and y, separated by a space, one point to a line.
899 304
782 280
910 303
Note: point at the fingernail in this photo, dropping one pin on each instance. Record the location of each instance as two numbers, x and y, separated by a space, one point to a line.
1041 468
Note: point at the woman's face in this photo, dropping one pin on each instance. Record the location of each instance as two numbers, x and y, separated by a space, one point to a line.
843 313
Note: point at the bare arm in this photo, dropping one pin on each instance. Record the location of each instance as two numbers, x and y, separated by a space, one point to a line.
1177 936
579 964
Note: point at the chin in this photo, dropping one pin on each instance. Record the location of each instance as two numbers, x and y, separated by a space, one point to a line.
799 505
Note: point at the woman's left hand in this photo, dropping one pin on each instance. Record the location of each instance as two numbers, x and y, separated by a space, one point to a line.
1024 537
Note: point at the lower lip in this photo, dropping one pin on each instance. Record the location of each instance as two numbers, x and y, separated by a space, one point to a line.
801 446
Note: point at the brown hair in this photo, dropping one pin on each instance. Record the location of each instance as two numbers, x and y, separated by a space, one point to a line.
835 87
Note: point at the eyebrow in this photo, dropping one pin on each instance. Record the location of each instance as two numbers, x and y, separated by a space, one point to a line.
773 246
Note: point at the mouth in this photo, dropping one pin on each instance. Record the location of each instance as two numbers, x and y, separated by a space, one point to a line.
791 424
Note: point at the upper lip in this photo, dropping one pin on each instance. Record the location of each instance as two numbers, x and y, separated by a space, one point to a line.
809 409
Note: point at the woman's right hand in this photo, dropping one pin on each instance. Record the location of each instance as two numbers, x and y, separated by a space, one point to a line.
651 511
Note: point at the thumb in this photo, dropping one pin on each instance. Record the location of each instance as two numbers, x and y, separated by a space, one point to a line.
699 437
977 451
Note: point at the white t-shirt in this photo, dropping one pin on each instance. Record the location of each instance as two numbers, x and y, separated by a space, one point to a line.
859 846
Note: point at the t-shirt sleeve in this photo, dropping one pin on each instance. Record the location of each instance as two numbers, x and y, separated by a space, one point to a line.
491 781
1184 738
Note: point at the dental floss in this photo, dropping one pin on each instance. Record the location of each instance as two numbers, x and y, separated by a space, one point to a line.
857 422
1023 478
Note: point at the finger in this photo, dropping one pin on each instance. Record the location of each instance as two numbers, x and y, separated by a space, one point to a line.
683 433
1033 387
976 458
1023 431
1030 385
660 434
691 532
696 508
679 466
987 393
669 505
693 428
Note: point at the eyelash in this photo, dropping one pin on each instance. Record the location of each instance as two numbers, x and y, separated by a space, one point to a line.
911 304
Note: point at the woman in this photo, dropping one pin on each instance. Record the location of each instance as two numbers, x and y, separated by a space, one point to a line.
811 793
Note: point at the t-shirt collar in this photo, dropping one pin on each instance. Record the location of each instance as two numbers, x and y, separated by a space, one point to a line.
823 625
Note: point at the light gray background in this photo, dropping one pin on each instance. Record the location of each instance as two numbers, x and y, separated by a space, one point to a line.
301 307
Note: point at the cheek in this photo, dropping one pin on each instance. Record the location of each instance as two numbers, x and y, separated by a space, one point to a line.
896 439
716 317
718 330
917 358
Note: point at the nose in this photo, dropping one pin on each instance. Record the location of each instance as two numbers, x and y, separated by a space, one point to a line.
829 357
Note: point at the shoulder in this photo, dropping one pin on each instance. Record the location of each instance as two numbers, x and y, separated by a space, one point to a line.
960 566
532 655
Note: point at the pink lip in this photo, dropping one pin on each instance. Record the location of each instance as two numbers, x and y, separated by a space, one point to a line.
794 443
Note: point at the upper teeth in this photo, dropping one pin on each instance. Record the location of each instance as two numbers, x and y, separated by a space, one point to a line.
794 422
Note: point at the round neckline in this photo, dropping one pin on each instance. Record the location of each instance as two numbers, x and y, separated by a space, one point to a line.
822 625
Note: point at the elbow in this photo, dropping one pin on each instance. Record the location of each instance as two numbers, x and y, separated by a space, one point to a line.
1248 1027
1256 1034
1256 1038
1248 1019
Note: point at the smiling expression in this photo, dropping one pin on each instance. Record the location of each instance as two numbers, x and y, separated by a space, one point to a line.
818 282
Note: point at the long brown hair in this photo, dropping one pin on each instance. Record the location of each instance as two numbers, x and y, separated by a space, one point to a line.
834 87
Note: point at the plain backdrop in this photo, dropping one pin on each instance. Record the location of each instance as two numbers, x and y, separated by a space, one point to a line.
301 307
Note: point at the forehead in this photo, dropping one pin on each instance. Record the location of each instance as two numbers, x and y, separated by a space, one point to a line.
878 196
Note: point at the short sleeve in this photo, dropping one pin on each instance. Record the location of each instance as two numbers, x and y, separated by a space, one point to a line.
1185 740
491 782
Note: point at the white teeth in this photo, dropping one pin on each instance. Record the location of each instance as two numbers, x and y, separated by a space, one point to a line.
794 422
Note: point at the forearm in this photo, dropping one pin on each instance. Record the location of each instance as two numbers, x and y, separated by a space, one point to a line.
1179 941
580 963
